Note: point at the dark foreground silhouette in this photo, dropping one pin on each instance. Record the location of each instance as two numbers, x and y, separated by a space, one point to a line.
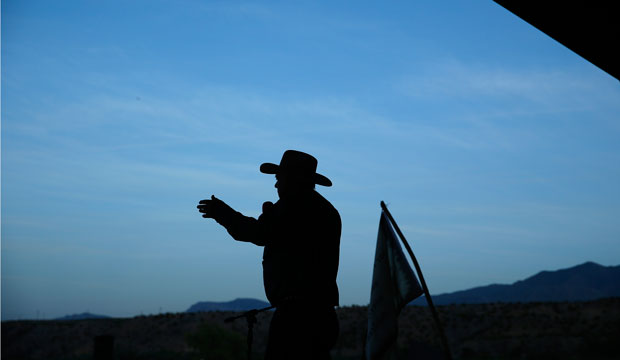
512 331
300 234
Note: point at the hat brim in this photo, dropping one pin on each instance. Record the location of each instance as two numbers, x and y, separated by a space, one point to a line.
270 168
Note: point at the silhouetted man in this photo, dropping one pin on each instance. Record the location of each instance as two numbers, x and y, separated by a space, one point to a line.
301 236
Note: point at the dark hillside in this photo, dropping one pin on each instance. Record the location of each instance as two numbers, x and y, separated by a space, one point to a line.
241 304
83 316
588 281
553 330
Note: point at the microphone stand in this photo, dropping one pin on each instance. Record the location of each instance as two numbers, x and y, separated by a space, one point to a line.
250 317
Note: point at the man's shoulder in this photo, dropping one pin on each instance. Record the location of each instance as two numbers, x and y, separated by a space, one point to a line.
324 205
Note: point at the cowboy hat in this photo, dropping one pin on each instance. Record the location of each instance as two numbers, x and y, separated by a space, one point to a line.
299 164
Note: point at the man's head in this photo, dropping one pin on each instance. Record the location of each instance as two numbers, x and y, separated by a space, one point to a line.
295 174
290 186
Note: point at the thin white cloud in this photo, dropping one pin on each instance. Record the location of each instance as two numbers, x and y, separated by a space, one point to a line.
547 89
246 9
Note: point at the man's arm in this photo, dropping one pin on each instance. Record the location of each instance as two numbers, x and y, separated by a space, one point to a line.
239 226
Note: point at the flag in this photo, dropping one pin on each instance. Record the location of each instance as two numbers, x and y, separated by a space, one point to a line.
394 285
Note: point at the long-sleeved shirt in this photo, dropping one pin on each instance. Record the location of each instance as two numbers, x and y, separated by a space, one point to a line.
301 237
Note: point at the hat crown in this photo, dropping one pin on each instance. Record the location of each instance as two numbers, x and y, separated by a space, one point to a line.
298 162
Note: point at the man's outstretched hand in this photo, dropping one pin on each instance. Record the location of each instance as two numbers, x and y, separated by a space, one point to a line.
214 208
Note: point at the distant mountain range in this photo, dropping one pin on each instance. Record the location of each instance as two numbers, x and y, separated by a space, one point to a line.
588 281
235 305
83 316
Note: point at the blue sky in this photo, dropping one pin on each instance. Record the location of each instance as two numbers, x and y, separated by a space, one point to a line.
495 147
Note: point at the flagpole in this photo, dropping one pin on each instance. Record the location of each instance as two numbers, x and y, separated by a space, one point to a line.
427 294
